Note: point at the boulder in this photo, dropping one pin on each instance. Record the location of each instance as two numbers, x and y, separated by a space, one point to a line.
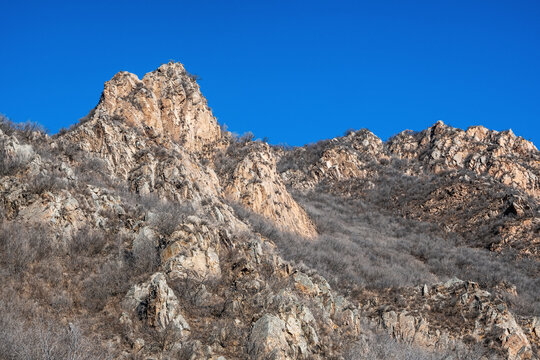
267 339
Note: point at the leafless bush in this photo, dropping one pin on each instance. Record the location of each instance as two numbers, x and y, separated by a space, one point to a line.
24 130
376 345
40 337
145 256
167 216
94 165
162 339
9 165
111 279
87 242
22 244
115 273
361 247
45 182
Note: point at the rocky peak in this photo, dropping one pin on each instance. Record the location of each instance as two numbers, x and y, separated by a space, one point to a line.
151 132
502 155
165 103
155 133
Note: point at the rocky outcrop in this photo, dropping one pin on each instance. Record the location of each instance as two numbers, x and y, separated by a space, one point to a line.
166 102
442 315
349 157
13 154
435 176
504 156
267 339
154 304
192 251
254 182
151 164
174 175
178 130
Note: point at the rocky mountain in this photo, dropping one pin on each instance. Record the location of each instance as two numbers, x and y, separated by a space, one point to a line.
147 231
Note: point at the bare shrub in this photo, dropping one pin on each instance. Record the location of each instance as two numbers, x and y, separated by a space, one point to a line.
39 337
114 274
24 130
23 244
162 339
167 216
111 279
145 256
361 247
45 182
9 165
87 242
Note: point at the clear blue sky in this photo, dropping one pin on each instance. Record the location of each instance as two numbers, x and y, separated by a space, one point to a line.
294 71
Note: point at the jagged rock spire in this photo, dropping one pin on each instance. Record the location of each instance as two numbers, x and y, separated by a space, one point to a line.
166 102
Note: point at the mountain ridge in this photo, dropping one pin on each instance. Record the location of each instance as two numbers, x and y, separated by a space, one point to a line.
147 231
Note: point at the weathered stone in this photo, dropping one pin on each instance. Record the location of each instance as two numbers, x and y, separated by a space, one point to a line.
267 339
255 183
155 303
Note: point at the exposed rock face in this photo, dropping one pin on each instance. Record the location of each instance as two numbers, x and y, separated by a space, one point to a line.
138 236
167 106
175 177
192 251
440 315
155 304
267 339
435 176
502 155
255 183
332 160
166 102
14 153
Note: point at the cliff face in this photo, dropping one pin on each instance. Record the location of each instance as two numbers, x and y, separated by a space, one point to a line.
166 103
145 231
254 182
156 131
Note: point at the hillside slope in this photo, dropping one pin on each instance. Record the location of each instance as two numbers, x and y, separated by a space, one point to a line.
148 231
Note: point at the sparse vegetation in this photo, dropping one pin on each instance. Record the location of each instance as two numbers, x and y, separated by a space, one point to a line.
38 337
375 345
167 216
359 247
118 251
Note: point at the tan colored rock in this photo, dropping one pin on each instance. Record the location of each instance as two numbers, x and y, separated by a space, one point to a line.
155 303
304 284
13 152
153 132
267 339
255 183
192 251
337 159
177 177
166 102
451 312
510 159
511 336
